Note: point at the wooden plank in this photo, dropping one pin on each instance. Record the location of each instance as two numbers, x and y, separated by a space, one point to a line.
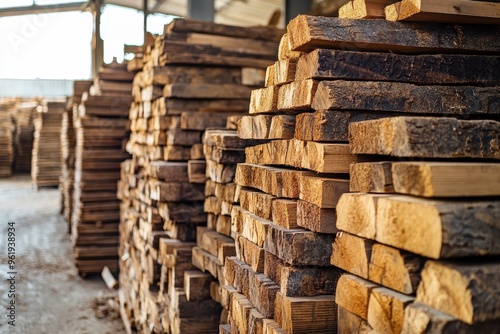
249 225
284 213
321 191
467 291
206 91
250 253
266 179
259 203
176 191
457 11
220 173
264 100
285 71
386 310
445 69
353 294
441 179
164 75
201 121
405 97
307 33
352 254
364 9
189 58
449 228
420 318
223 156
285 49
371 177
426 137
168 171
349 322
297 95
299 247
196 171
306 314
197 285
308 281
315 218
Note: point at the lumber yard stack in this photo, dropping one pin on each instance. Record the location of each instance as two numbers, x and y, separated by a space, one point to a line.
456 11
340 95
45 169
23 143
6 138
68 146
195 76
101 128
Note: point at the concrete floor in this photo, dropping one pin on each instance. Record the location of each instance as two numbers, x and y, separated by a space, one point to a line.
50 296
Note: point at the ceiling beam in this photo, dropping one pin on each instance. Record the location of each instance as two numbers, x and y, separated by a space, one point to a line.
44 9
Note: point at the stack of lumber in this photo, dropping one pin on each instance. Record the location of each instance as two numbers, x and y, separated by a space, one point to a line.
101 129
196 76
453 11
45 169
68 145
293 225
6 139
23 143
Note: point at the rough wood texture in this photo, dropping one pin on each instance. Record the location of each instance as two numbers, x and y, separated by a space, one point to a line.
206 91
353 294
306 314
426 137
351 323
323 192
250 253
297 95
371 177
386 310
284 213
299 247
315 218
264 100
441 179
422 319
267 127
445 228
307 33
249 225
405 97
468 291
352 254
456 11
363 9
417 69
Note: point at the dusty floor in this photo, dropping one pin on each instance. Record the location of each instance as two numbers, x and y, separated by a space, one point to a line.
50 296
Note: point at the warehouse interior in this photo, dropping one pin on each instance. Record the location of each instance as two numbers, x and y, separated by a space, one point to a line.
250 166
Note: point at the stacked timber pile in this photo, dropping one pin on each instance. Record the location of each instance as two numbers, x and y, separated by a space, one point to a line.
25 111
6 139
458 11
68 145
45 169
196 76
101 128
297 242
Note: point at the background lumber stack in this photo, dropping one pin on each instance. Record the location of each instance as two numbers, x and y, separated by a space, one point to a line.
23 144
45 169
312 95
196 76
6 138
101 129
68 146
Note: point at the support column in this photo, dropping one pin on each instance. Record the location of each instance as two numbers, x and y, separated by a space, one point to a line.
97 42
296 7
203 10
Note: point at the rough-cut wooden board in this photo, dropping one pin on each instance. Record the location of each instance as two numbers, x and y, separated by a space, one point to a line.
164 75
405 97
249 225
250 253
456 11
190 25
444 69
349 322
196 171
264 100
284 213
353 294
206 91
386 310
264 178
445 228
190 58
267 127
318 157
284 71
257 202
468 291
307 33
298 246
371 177
364 9
420 318
426 137
441 179
197 285
201 121
285 50
315 218
352 254
297 95
356 214
321 191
